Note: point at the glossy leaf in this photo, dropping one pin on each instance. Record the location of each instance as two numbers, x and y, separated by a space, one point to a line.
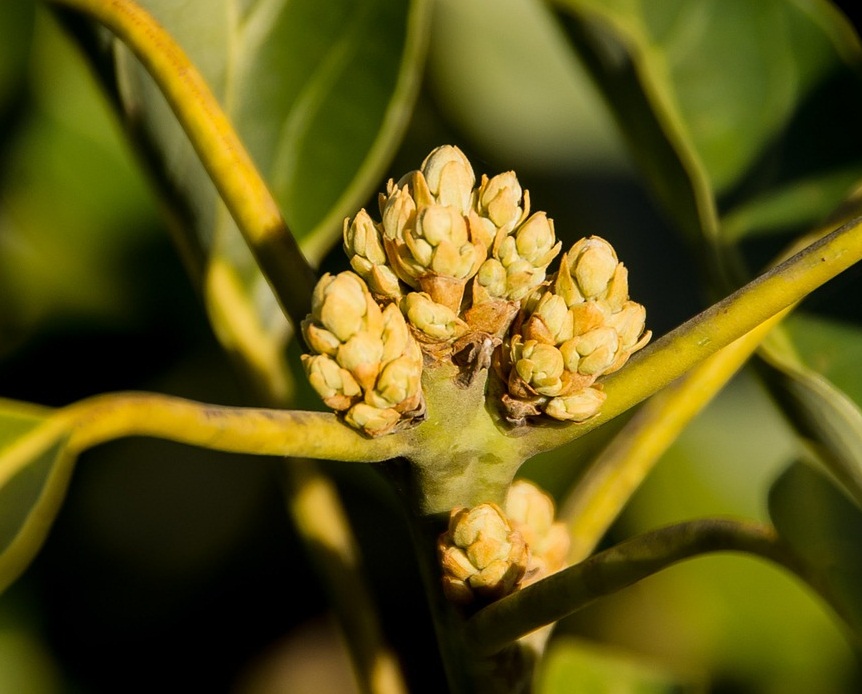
34 474
319 93
707 92
829 418
824 530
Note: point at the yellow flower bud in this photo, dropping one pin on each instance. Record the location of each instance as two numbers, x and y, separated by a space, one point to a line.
500 200
531 512
449 177
372 420
335 385
434 321
363 245
482 557
578 407
539 365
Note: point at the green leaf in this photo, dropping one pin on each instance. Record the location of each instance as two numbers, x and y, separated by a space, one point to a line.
320 93
34 475
574 666
712 92
824 530
829 419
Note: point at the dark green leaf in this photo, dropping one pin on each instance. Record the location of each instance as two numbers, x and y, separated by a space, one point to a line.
824 530
716 92
828 418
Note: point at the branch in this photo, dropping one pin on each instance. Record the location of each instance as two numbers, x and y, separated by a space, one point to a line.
680 350
620 468
222 153
258 431
496 626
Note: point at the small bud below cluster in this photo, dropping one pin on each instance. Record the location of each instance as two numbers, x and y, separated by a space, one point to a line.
531 512
481 556
488 552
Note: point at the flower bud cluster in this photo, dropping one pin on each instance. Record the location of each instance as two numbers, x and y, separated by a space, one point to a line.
457 257
364 362
461 263
579 328
488 552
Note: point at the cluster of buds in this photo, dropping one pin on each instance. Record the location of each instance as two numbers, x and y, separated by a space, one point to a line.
488 552
581 327
365 362
458 258
461 263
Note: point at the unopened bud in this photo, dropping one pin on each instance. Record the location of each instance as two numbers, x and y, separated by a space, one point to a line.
449 177
481 555
531 512
577 407
434 321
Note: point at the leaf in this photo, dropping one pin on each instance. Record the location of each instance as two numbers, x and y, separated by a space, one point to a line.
320 93
824 530
574 666
34 474
714 92
828 419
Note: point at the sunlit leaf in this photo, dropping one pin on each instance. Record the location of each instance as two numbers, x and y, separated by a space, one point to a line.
824 529
34 474
713 92
319 93
574 666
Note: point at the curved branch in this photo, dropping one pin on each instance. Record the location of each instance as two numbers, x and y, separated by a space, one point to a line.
319 435
496 626
685 347
223 155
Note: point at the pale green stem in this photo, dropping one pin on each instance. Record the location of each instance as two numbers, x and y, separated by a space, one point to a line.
620 469
235 429
224 156
682 349
561 594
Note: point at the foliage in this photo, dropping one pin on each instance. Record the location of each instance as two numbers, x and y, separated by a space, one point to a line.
707 140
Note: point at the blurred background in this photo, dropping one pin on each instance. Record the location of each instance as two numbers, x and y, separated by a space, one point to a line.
174 569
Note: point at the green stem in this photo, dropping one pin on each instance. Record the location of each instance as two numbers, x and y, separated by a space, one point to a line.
235 429
682 349
620 469
222 153
498 625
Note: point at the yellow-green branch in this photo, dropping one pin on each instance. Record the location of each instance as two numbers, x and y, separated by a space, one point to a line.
621 468
259 431
229 165
561 594
682 349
